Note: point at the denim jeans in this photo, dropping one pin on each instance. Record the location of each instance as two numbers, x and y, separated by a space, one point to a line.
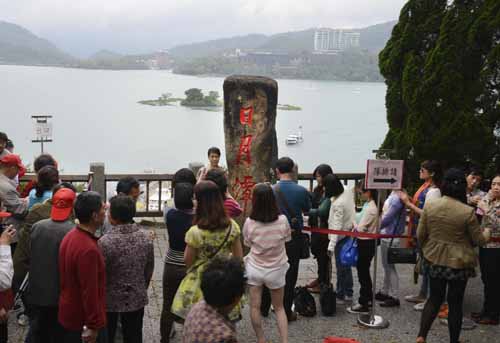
344 274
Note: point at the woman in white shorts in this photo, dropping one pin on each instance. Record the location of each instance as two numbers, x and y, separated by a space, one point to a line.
265 233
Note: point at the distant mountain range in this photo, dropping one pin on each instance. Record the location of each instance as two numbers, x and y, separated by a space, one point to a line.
373 38
20 46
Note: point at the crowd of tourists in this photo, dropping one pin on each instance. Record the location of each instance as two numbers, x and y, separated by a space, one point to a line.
79 267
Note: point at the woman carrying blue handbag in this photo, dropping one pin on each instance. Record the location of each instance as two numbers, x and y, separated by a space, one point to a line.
342 217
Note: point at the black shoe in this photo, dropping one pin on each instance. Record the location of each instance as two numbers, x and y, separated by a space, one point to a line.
381 296
291 316
391 302
358 309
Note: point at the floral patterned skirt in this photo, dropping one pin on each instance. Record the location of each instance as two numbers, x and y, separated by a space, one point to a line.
447 273
189 293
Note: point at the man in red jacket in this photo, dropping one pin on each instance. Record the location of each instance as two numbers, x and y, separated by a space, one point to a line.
82 307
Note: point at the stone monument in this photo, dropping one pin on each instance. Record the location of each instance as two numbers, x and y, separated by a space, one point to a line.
250 134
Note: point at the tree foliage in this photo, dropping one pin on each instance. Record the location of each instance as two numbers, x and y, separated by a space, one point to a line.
195 98
441 67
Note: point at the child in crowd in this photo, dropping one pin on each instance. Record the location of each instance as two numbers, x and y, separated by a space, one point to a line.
223 285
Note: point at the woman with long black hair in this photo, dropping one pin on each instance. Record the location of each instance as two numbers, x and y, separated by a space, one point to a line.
319 242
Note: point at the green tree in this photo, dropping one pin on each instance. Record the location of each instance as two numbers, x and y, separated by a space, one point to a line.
438 65
194 95
401 63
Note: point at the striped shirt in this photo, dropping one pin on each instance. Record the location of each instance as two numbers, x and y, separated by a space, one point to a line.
267 242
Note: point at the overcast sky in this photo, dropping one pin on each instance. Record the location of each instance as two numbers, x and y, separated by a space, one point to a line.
131 26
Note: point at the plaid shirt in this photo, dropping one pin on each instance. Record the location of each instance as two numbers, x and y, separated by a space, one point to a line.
205 325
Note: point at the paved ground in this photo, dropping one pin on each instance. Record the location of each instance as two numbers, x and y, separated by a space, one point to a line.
403 321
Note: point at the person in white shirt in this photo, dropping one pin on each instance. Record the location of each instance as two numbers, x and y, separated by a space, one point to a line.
342 217
6 265
366 250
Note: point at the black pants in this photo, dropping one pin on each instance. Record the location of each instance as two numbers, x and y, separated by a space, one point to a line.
489 258
4 332
172 278
366 251
456 290
76 336
319 248
45 327
293 249
131 326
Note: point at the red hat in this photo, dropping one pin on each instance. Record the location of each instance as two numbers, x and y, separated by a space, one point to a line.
4 215
62 204
13 160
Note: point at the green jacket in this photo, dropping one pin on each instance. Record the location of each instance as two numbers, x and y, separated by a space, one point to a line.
322 212
22 254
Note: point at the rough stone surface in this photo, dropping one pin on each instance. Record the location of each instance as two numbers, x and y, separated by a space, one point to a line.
250 133
404 320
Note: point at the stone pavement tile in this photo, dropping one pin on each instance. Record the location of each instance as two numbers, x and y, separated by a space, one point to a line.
404 321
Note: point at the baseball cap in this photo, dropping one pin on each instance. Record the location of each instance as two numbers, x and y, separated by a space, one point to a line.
13 160
62 204
5 215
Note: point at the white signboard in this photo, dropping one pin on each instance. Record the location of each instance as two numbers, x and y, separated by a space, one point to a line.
43 131
384 174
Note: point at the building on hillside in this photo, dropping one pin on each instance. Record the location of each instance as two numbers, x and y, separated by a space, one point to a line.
326 40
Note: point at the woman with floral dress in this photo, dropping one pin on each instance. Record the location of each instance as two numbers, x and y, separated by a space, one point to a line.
213 234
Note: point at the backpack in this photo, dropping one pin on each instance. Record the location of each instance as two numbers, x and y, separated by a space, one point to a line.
327 299
305 305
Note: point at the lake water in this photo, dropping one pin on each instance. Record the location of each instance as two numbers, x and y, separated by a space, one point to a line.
96 118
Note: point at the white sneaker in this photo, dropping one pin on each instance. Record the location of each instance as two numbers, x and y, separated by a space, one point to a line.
22 320
419 307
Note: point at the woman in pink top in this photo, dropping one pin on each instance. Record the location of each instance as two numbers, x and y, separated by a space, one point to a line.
265 233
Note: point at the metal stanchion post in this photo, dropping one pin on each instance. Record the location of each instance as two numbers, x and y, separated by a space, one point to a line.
372 320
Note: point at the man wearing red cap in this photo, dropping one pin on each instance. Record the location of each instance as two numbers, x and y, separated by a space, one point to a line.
42 293
10 167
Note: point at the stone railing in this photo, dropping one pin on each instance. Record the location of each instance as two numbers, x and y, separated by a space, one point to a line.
157 188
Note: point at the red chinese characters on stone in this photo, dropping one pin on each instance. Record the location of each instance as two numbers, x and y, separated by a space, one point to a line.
246 114
242 190
244 150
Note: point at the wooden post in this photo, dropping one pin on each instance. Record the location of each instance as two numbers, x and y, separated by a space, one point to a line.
98 178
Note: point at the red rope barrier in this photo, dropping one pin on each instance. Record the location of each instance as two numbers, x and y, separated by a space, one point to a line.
352 233
364 234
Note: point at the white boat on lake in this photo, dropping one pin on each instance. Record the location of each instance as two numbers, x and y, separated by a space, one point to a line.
293 139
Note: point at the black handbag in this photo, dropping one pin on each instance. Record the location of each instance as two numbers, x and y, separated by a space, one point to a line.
327 300
401 255
303 238
304 302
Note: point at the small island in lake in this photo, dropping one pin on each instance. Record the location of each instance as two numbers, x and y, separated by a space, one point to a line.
194 98
164 100
287 107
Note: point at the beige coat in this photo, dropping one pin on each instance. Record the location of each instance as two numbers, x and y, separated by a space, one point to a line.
447 232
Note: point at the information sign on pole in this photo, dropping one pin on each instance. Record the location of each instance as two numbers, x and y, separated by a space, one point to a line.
384 174
43 131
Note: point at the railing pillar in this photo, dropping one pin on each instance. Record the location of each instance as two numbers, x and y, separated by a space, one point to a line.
98 178
195 167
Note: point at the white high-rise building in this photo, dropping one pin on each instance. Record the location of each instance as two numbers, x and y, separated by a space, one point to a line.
335 39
